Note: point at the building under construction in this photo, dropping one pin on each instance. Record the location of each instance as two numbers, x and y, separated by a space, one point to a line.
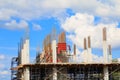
54 61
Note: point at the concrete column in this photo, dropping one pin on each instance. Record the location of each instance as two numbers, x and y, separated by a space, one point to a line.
54 57
85 51
105 52
106 73
74 56
105 47
85 56
26 73
54 51
89 55
110 53
22 55
54 73
27 51
110 58
24 52
89 51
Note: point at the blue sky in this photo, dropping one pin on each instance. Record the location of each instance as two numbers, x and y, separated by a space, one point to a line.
78 18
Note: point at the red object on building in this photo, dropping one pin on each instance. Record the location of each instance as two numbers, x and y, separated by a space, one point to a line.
61 47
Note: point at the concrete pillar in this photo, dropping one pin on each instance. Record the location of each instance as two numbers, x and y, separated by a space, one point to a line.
54 52
54 57
89 51
26 73
25 59
106 73
85 56
110 53
54 73
25 52
22 55
105 47
74 56
110 58
85 51
105 52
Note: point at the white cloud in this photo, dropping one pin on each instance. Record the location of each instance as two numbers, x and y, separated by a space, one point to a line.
15 25
25 9
36 27
80 57
97 59
81 26
2 57
5 65
108 11
5 13
4 72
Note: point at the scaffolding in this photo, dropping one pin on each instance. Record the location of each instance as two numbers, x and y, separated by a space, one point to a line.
71 71
14 64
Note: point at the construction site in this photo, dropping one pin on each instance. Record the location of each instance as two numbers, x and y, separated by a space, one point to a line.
54 62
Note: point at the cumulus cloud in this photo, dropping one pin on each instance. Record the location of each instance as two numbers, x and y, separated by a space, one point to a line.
36 27
4 69
27 10
15 25
80 57
5 13
81 26
2 57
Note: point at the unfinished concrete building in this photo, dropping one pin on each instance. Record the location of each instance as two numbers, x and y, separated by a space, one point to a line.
54 63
